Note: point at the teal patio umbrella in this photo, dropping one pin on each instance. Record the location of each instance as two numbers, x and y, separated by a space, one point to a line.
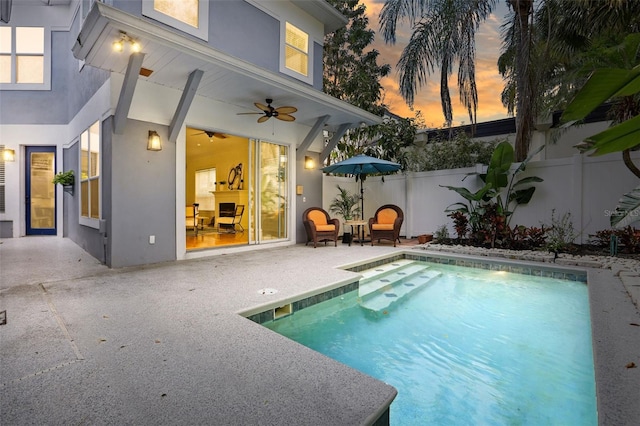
360 166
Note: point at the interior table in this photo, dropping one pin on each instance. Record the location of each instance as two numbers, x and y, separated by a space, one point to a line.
359 225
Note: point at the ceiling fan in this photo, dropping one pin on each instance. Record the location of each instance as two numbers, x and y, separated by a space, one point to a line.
281 113
211 135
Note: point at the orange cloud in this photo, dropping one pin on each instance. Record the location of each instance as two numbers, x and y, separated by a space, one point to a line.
427 100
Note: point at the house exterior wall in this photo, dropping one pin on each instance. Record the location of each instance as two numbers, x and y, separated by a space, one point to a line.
251 30
311 182
143 195
143 192
69 88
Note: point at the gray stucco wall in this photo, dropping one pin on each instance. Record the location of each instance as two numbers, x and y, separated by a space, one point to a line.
311 181
142 185
70 89
86 237
241 30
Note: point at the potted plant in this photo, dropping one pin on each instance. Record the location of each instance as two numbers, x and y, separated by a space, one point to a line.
424 238
345 205
66 179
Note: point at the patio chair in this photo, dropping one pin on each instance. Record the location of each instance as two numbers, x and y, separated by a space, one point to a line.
230 222
320 226
386 223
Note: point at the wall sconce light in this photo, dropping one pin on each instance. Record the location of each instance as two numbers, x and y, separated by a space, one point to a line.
309 163
8 155
154 143
118 45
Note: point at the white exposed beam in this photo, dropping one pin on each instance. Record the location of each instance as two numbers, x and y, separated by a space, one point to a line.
186 99
334 141
313 133
126 93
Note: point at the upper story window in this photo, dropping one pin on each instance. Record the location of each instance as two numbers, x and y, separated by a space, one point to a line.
296 50
90 173
25 58
190 16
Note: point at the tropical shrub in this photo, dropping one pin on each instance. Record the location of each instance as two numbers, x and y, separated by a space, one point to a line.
443 154
490 208
561 234
628 239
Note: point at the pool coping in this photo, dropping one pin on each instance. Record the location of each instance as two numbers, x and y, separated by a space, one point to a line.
265 312
612 318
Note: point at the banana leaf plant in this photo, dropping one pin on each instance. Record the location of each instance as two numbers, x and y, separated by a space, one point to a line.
496 180
604 85
628 209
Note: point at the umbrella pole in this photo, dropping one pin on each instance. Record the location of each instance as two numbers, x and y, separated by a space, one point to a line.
362 240
361 199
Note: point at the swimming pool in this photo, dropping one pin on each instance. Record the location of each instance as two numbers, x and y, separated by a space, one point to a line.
462 345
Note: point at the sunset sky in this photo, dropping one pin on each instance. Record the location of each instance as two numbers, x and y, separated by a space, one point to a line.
427 100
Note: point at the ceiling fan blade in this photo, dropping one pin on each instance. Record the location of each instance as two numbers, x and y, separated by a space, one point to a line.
263 107
249 113
285 117
286 109
263 119
220 135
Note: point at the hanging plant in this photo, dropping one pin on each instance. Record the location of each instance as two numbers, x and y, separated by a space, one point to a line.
64 178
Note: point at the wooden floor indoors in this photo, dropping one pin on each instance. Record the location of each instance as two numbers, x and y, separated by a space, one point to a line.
208 239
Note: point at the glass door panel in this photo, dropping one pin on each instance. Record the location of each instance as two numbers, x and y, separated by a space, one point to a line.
274 190
41 196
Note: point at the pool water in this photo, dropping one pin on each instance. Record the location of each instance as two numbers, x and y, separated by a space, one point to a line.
465 346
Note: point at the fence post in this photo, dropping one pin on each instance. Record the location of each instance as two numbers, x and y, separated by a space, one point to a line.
576 201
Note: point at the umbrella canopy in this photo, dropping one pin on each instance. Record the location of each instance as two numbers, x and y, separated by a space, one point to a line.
362 165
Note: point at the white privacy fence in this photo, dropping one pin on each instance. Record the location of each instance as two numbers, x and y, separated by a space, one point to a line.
586 187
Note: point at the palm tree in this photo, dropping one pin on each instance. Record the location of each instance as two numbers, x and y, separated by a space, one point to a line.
443 34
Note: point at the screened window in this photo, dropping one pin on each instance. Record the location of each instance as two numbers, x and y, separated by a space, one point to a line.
90 172
296 50
24 58
190 16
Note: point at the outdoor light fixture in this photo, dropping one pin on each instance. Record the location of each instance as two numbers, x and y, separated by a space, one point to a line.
8 155
309 163
118 45
154 143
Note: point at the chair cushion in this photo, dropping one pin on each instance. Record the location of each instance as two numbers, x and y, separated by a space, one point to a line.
325 228
382 226
318 218
387 216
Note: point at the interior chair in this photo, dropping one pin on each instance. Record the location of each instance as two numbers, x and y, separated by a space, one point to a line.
320 226
386 223
192 217
231 221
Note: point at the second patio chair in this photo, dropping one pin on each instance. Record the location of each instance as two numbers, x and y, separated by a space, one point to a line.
386 223
320 226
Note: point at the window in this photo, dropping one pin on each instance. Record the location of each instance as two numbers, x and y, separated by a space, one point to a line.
296 50
190 16
205 183
90 172
24 58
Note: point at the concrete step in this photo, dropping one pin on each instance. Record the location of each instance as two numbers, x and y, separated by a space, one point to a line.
379 292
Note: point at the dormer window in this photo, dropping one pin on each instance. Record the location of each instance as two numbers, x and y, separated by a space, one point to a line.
296 50
190 16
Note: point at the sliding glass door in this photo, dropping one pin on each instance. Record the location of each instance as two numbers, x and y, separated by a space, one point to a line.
270 204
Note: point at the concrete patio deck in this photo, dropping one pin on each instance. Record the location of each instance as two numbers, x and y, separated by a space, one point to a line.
164 344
